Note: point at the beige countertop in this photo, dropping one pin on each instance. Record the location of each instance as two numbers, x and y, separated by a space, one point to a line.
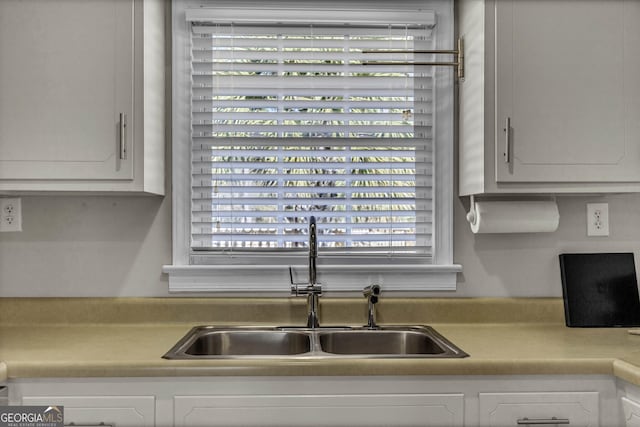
74 344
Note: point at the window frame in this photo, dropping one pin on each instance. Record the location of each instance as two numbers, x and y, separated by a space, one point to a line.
265 274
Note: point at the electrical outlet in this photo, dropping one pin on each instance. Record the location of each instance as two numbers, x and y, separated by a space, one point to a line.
10 214
597 219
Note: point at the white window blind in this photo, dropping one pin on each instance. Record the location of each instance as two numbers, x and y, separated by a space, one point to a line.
287 121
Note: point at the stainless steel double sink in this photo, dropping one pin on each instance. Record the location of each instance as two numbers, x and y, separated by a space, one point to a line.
209 342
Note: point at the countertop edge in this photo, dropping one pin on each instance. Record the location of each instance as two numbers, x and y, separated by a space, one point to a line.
352 367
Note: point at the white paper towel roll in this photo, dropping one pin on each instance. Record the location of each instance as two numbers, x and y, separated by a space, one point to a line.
514 217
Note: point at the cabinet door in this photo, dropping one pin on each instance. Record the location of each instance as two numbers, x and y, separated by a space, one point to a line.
129 411
513 409
66 75
631 410
567 80
437 410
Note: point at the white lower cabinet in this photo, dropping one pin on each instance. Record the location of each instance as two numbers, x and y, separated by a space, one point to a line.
546 409
631 411
370 410
331 401
115 411
630 401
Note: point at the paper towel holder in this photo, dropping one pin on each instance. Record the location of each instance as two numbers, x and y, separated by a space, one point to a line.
471 215
539 220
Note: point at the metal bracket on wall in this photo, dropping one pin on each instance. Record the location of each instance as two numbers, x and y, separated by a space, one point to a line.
458 63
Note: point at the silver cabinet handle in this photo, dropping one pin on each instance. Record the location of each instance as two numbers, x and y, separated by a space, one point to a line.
90 425
123 136
542 421
507 141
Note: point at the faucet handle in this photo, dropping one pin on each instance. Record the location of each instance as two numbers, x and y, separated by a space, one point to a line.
298 289
305 289
372 292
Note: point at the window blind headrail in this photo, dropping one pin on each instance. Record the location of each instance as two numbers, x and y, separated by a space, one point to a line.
218 33
308 16
263 39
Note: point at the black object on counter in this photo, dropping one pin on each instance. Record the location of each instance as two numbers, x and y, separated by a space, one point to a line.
600 290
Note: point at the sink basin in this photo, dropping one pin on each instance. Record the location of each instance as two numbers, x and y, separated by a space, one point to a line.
245 343
379 342
208 342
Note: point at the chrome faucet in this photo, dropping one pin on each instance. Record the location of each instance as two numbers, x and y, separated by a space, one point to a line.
372 294
312 290
313 249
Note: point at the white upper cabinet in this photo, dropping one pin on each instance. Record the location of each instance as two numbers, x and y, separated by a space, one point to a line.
554 103
66 75
73 79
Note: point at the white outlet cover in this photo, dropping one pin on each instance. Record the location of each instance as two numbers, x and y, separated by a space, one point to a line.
10 214
597 219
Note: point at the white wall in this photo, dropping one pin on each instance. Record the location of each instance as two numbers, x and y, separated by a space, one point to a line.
115 246
88 246
527 264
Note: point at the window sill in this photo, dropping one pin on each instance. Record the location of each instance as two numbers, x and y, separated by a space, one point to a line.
270 279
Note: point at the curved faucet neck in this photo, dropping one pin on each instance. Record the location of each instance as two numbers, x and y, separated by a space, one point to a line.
313 250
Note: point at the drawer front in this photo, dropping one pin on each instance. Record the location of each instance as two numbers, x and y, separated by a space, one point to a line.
371 410
125 411
542 409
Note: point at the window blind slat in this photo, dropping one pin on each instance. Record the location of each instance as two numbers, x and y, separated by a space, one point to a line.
292 143
318 18
206 217
312 93
259 154
209 105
